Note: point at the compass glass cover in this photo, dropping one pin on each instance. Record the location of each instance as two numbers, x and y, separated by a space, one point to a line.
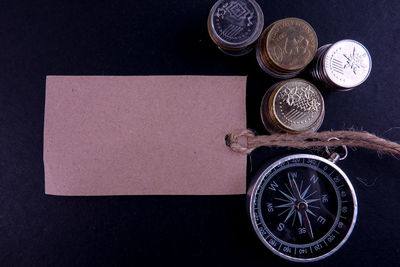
302 207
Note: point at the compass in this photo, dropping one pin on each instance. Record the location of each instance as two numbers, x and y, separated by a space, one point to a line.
302 207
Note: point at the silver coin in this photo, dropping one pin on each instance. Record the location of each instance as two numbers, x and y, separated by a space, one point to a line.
347 63
235 24
316 70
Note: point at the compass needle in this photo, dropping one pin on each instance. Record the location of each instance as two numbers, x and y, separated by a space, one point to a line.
307 224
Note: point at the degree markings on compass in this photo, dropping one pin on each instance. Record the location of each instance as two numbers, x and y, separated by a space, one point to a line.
336 231
342 217
284 205
340 186
345 201
295 250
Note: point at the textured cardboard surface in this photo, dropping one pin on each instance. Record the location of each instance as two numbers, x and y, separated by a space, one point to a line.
143 135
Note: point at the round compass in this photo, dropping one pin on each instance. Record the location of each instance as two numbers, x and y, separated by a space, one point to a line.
302 207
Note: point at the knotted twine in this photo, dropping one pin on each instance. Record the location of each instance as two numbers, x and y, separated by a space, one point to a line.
245 141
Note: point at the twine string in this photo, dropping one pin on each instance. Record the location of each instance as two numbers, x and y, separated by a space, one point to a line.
245 141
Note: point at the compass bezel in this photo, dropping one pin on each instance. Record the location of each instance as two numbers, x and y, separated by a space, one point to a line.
261 176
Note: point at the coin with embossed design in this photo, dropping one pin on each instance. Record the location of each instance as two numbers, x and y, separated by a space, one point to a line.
286 47
291 44
342 65
234 25
292 106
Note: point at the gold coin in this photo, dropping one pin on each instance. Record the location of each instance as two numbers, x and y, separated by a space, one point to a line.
291 44
292 106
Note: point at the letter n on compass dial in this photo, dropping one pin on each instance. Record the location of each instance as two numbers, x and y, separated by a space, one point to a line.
303 207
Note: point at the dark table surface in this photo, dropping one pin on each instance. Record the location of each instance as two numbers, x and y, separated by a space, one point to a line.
39 38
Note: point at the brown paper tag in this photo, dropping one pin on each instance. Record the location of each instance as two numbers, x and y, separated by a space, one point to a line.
143 135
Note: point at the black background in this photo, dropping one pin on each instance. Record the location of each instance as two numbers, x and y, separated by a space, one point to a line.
39 38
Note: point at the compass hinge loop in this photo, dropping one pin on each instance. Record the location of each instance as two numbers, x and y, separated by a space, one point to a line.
333 155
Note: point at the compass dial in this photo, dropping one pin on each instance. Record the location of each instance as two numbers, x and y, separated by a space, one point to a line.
302 207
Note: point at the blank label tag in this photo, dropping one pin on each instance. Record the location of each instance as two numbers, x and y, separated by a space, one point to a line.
143 135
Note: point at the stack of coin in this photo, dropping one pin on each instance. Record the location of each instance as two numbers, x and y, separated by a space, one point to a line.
292 106
286 47
234 25
342 65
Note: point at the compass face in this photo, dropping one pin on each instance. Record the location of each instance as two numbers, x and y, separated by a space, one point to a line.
302 207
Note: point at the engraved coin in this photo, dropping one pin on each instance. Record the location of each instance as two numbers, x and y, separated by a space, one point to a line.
291 44
265 63
347 63
292 106
235 24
